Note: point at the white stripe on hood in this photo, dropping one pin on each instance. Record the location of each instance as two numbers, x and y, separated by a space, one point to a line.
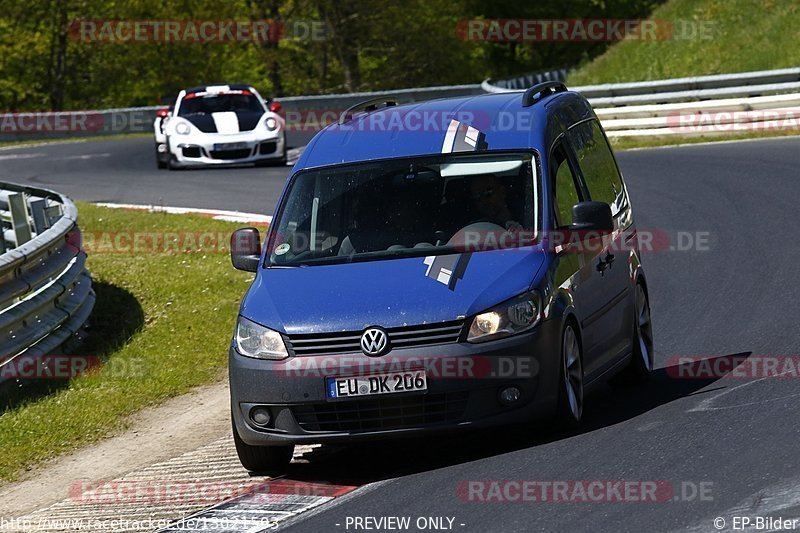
226 122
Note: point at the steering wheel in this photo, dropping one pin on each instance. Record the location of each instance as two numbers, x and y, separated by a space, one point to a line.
485 224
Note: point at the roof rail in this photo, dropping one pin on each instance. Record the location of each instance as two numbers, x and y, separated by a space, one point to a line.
365 106
540 90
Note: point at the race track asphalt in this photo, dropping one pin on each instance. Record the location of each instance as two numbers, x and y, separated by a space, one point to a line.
735 438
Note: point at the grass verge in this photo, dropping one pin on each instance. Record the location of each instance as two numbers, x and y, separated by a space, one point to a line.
743 35
162 324
35 142
627 143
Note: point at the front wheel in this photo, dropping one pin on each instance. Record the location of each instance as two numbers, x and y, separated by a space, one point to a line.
641 365
262 458
160 163
570 398
281 162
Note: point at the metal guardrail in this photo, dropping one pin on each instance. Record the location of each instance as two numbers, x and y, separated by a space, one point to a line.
695 83
723 88
520 83
702 118
740 84
45 291
54 125
702 105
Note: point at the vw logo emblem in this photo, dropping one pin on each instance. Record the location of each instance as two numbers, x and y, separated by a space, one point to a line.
374 341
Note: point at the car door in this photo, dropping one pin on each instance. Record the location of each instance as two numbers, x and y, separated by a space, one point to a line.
575 271
612 313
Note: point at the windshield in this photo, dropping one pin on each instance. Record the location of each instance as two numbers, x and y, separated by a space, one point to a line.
219 102
404 207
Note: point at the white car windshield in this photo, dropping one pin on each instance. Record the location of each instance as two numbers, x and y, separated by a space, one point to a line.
219 102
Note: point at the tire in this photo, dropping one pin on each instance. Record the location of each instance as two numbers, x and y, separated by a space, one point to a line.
170 158
570 397
160 163
641 365
285 157
274 162
273 459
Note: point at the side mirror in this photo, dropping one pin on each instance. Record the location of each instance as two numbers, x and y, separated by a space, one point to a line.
275 106
162 113
592 216
246 249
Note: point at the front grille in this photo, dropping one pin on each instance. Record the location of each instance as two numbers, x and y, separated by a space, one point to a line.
389 412
401 337
268 147
191 151
230 154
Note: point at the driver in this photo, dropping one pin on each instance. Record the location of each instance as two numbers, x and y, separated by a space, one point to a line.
488 195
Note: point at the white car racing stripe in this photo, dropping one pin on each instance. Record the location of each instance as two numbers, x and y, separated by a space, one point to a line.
226 122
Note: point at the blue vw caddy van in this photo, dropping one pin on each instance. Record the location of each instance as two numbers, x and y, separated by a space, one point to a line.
434 267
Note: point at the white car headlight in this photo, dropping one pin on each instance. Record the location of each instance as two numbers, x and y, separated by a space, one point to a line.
254 340
182 128
509 318
271 124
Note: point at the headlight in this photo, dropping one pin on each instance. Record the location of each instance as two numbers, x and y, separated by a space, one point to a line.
509 318
182 128
254 340
271 124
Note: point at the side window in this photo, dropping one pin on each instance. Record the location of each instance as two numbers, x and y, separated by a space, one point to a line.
597 165
566 192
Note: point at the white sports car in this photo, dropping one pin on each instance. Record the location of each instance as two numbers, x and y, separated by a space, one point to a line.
219 125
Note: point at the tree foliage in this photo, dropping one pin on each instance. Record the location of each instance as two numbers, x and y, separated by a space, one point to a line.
328 46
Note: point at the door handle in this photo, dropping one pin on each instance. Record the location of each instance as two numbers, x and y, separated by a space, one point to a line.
605 262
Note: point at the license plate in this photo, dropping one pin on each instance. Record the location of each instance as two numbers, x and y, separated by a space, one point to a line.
373 385
221 147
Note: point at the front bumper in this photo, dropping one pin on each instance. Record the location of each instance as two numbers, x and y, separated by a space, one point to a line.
464 382
203 150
